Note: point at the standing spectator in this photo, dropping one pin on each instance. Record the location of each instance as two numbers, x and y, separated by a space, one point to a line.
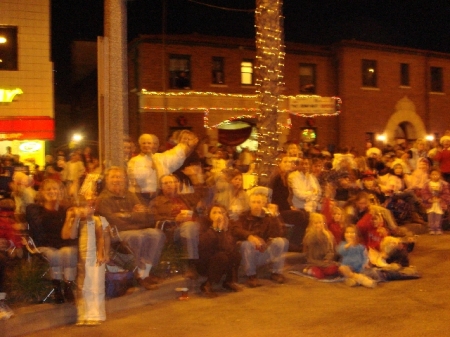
93 250
73 171
436 197
443 157
145 169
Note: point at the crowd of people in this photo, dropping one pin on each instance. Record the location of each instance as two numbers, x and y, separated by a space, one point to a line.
344 211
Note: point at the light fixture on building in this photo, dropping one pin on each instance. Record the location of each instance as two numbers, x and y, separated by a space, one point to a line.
381 138
429 138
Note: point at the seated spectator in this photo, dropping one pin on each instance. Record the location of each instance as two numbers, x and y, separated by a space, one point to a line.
180 210
305 188
217 253
293 149
261 241
319 247
23 194
391 262
419 176
370 186
360 205
123 210
354 259
344 189
395 188
10 247
278 183
372 229
230 193
335 219
46 219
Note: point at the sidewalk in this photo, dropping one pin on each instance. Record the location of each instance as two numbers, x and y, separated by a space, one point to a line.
45 316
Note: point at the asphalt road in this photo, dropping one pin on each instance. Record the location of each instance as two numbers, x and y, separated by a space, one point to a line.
301 307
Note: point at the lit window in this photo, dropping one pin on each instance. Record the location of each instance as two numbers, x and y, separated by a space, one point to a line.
369 73
307 78
8 48
247 72
180 72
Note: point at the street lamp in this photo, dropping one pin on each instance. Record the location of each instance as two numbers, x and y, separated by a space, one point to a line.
77 137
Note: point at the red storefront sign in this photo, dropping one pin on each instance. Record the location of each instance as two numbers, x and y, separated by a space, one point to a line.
27 127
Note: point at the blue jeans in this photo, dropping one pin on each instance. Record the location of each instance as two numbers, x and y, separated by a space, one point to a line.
146 245
188 233
434 221
62 261
274 254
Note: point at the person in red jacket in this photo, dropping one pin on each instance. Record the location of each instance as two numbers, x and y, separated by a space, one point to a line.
372 230
443 157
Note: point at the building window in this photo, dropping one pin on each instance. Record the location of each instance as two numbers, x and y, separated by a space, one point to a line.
437 78
180 72
369 73
218 73
8 48
307 78
247 72
404 74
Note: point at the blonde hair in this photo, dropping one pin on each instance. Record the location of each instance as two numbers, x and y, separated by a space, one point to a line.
389 244
312 234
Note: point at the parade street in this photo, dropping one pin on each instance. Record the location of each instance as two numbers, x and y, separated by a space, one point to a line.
301 307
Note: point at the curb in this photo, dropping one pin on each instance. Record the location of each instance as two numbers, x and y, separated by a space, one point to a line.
38 317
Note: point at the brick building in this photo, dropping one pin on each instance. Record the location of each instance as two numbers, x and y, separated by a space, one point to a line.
400 92
26 79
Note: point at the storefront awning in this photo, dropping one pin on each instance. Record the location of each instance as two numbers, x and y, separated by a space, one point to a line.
27 127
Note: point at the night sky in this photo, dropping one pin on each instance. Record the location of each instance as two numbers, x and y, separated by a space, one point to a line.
423 24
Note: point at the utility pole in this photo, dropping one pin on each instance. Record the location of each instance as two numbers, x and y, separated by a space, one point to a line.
113 83
269 81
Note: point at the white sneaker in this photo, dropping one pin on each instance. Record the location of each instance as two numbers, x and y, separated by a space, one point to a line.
366 281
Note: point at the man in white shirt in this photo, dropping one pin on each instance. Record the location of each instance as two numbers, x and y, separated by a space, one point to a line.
145 169
305 188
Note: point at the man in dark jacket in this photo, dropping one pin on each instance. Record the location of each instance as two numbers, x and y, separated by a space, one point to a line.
124 211
261 241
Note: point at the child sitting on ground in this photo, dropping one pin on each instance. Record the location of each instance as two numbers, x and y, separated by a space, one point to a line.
391 262
318 245
354 259
372 229
334 218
